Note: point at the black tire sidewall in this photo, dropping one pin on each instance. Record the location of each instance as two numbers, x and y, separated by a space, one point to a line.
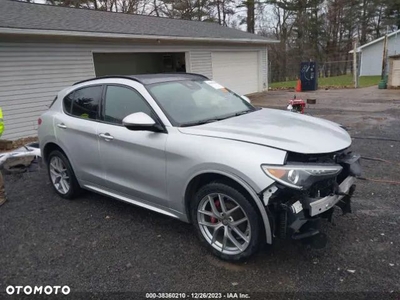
246 204
74 186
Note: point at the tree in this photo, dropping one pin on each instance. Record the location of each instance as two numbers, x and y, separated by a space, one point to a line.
186 9
70 3
250 6
392 12
223 10
282 29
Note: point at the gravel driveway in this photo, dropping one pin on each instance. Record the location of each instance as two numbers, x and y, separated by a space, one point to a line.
99 245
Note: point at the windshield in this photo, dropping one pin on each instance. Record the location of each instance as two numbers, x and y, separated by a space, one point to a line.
190 102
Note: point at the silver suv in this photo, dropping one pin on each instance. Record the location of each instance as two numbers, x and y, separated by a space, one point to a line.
185 146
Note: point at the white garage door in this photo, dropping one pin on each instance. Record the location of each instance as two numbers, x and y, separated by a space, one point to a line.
238 71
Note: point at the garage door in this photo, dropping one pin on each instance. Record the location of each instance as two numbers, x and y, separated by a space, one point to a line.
238 71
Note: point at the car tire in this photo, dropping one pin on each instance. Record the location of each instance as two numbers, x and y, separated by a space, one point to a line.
218 232
62 176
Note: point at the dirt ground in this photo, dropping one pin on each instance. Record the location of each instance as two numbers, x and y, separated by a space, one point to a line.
359 109
98 245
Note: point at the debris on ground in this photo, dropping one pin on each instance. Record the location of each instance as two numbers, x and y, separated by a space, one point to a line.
18 161
20 156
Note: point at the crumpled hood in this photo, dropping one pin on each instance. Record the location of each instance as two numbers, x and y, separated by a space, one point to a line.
279 129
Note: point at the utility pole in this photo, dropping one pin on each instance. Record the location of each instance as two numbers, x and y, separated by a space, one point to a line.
355 73
385 54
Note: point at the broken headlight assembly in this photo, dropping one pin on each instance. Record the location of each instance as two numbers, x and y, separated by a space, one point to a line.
301 177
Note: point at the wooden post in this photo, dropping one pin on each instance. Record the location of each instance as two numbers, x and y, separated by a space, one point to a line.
355 73
384 57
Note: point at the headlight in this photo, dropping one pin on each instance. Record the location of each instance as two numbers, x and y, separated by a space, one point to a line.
301 176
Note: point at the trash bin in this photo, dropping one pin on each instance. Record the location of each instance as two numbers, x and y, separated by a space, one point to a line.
309 76
383 83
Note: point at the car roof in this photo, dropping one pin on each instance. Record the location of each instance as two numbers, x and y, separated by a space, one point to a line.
152 78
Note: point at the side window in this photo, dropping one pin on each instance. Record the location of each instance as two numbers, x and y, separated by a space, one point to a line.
84 103
68 102
121 101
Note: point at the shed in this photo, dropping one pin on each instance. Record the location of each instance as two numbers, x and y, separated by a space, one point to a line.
45 48
372 53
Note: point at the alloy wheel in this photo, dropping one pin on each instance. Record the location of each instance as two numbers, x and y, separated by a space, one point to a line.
59 175
224 224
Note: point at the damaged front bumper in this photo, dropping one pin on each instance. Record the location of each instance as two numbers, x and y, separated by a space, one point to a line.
318 206
297 214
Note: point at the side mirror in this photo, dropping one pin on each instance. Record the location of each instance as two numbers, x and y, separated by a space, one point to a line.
246 99
141 121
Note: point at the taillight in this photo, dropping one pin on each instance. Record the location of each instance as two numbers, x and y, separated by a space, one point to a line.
39 121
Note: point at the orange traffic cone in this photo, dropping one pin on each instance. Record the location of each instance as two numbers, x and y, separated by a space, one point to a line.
298 86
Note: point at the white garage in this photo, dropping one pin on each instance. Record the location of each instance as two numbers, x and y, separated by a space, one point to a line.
40 55
239 71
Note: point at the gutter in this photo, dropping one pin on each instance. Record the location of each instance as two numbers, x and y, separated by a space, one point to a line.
42 32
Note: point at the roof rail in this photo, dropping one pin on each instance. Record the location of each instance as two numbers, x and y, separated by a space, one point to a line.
185 73
201 75
134 78
105 77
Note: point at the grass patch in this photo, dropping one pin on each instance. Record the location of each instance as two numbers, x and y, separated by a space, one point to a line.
336 81
369 80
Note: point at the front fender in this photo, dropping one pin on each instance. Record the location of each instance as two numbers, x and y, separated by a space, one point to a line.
190 155
247 187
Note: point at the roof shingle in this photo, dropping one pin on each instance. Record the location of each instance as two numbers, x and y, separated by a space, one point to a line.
19 15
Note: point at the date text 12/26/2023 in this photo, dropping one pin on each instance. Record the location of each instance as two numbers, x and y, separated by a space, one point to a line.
198 295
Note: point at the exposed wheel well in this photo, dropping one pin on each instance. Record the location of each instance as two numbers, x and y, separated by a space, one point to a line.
200 180
50 147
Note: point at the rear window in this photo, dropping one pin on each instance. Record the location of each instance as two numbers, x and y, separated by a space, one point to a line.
84 103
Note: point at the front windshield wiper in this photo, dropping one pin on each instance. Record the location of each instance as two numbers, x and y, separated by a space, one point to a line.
215 119
201 122
243 112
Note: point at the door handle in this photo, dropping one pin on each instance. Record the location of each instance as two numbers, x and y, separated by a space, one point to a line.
106 136
62 126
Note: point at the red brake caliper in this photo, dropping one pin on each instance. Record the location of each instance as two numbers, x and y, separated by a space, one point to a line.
217 205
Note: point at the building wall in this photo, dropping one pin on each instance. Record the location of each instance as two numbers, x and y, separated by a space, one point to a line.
371 57
32 72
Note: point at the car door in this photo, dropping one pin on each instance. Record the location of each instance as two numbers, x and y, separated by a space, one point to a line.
134 161
76 131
